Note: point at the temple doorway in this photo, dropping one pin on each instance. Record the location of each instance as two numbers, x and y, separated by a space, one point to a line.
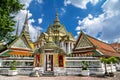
49 62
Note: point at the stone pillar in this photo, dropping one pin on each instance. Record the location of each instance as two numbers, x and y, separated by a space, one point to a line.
68 47
42 43
72 45
62 45
65 47
39 45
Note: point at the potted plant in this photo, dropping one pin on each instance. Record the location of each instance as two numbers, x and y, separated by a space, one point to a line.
12 70
85 71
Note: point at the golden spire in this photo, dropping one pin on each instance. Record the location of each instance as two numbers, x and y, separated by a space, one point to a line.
50 36
56 21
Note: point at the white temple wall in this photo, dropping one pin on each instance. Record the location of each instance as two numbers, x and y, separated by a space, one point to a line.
74 65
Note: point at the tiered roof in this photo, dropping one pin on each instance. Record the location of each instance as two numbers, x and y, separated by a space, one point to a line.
86 43
58 34
22 45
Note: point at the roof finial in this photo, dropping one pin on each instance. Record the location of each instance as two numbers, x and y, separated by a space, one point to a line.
56 18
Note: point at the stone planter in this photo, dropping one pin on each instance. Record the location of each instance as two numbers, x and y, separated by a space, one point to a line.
85 73
12 72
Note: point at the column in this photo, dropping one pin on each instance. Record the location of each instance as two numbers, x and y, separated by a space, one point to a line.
72 45
62 45
65 47
68 47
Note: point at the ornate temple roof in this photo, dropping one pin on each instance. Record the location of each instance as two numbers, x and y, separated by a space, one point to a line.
19 46
50 45
87 43
20 43
57 30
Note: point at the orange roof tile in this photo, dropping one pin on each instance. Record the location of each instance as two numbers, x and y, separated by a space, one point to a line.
21 53
101 45
105 48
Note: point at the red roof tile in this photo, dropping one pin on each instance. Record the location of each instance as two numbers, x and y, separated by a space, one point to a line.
105 48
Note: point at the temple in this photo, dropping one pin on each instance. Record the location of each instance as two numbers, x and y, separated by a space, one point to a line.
52 47
20 50
59 36
56 52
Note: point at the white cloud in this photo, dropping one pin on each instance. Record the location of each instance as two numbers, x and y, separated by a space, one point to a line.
117 40
26 3
107 23
90 16
80 3
103 40
111 23
66 2
79 22
77 17
63 11
33 30
77 28
40 20
40 1
91 25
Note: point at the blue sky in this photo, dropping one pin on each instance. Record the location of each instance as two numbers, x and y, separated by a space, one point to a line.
97 18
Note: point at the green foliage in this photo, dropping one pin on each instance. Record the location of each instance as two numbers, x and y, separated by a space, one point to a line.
13 65
109 60
84 65
8 8
103 60
113 60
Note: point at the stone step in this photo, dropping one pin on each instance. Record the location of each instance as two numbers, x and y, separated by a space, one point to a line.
48 73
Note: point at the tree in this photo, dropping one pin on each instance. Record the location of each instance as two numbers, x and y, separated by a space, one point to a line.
105 61
8 8
112 60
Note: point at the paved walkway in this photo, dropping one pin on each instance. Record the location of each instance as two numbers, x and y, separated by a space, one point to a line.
19 77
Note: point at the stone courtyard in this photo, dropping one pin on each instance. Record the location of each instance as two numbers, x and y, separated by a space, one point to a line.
19 77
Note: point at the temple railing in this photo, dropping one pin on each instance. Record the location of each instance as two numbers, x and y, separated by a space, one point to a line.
18 58
81 58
